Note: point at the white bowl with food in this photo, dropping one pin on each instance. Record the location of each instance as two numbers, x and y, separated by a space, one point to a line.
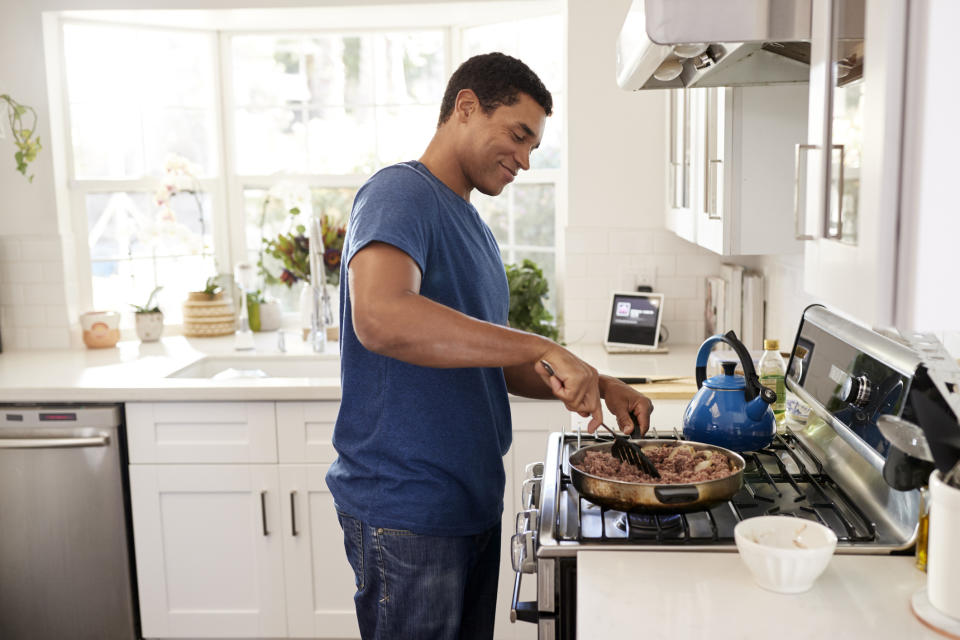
784 554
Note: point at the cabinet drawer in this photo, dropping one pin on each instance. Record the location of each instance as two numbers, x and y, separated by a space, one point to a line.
211 432
305 431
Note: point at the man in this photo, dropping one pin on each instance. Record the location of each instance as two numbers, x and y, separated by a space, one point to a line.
427 361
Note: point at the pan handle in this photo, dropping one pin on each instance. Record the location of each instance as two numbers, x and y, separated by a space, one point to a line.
677 494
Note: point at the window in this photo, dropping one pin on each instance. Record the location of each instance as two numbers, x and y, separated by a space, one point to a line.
127 114
190 148
523 217
329 109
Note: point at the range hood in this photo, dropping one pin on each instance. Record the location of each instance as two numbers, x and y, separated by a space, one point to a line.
709 43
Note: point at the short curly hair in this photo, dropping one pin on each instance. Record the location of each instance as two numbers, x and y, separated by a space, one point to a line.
497 79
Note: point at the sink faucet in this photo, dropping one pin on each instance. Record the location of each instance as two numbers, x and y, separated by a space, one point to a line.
321 313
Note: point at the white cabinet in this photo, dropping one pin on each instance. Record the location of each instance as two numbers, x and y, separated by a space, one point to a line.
731 167
237 550
319 580
209 550
849 169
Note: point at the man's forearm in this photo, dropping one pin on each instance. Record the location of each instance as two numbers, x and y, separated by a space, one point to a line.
420 331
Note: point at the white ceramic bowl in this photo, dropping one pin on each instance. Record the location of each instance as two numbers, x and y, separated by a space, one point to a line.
784 554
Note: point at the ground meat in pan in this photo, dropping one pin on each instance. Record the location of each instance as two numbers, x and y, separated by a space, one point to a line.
677 464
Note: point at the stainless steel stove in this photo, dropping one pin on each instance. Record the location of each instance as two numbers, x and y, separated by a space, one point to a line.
830 470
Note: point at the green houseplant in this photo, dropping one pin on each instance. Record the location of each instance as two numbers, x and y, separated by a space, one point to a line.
28 146
149 319
528 289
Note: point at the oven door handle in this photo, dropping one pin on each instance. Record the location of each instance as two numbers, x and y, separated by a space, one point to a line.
522 611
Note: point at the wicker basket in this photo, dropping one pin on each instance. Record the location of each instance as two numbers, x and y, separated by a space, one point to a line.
205 318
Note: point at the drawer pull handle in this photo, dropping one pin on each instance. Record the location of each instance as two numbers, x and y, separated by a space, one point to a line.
293 511
263 511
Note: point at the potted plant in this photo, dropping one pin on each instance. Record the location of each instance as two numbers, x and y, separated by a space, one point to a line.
149 319
27 145
206 313
528 289
211 291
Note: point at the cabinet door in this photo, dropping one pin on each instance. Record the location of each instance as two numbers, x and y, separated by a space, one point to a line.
174 432
208 550
319 581
305 431
853 155
712 111
680 218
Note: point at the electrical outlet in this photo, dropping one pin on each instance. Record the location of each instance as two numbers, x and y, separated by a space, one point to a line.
646 276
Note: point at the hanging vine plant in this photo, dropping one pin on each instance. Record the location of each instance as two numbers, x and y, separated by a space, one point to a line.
28 146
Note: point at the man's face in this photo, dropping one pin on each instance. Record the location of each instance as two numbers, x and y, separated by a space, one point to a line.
497 146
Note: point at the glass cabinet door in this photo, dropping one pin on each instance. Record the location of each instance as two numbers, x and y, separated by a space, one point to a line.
713 153
680 148
846 128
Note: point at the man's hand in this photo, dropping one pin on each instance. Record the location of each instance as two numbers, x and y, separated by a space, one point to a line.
630 406
574 382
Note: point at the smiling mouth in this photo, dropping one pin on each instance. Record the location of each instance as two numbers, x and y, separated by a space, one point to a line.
510 174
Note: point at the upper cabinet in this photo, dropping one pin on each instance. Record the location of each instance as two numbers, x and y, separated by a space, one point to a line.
848 172
731 166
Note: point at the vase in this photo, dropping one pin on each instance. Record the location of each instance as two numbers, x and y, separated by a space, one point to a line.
149 326
271 316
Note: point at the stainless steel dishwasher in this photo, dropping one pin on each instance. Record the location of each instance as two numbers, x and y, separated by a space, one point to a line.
65 561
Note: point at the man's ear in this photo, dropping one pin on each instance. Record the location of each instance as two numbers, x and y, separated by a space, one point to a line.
466 104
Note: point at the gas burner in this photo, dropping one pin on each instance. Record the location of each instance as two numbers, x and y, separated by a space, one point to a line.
642 525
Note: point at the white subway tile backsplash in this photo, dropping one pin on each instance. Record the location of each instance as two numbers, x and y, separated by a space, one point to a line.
600 265
48 338
44 293
11 294
9 250
679 286
576 265
25 272
41 249
56 315
53 272
629 241
668 242
666 264
586 240
579 331
698 265
28 315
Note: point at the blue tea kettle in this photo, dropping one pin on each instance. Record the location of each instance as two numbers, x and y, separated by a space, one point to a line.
730 411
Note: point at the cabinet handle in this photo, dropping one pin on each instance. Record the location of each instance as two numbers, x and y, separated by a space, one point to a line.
263 511
839 233
713 180
293 511
799 193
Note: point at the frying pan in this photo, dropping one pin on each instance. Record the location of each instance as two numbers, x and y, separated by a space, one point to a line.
641 497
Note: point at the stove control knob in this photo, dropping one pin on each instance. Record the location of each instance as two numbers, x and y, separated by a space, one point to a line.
533 470
856 391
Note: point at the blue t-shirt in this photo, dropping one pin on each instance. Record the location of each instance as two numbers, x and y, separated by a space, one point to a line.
422 448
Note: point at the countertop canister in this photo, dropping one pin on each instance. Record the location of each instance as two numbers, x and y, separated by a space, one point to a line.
943 547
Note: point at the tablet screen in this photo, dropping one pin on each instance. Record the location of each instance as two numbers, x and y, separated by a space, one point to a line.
634 319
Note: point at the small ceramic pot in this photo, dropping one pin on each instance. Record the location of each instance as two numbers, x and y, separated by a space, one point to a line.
149 325
270 316
101 329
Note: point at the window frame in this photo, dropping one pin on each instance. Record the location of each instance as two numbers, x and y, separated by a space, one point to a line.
226 188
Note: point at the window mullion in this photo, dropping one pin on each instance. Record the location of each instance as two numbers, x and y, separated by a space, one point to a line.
231 243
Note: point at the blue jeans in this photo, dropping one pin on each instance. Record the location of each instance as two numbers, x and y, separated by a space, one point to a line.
417 587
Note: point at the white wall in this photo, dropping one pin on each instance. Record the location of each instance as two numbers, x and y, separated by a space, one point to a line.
617 189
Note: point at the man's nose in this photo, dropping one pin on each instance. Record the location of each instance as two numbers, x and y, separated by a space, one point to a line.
523 158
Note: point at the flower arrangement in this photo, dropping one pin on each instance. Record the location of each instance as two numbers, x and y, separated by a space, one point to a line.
292 250
27 146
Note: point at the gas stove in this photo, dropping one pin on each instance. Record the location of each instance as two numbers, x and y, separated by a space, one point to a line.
831 470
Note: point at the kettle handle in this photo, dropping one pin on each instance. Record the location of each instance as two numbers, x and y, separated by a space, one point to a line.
753 386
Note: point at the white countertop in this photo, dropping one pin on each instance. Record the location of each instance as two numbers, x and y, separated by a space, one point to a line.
672 595
135 371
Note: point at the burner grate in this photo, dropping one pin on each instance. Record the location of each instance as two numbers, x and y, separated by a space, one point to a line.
783 478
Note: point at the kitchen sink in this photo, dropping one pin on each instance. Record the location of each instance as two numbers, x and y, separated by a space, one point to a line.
236 367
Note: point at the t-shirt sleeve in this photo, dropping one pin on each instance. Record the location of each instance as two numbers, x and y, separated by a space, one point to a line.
397 207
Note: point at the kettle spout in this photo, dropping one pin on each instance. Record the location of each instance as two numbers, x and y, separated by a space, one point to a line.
756 408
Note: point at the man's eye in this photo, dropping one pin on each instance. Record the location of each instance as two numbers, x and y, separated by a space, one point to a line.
517 138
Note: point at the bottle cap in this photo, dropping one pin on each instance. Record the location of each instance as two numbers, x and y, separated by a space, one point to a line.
771 345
